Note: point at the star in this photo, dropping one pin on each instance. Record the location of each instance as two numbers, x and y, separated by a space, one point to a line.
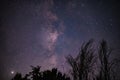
12 72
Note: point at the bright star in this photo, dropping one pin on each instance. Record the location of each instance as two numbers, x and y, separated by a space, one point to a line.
12 72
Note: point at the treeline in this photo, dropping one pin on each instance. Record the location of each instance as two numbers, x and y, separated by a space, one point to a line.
91 63
37 74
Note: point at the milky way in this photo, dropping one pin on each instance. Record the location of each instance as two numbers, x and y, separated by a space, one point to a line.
43 32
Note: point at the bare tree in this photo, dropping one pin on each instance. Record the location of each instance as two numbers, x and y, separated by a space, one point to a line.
82 64
106 64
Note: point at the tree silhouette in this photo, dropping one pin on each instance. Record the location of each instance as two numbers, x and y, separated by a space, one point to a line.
36 74
26 77
54 74
82 65
106 64
18 76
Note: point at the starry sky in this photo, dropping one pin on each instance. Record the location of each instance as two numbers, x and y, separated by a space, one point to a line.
43 32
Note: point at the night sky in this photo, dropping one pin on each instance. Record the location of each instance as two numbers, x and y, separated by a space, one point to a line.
43 32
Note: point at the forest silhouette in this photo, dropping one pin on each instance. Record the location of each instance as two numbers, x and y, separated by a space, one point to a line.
91 63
